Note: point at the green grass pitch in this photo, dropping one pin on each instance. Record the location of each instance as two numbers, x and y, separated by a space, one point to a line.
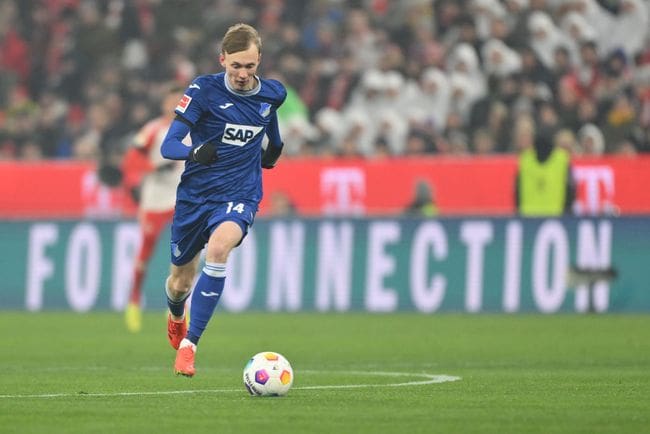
518 374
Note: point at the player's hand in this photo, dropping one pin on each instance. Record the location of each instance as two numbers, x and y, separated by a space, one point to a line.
205 154
270 155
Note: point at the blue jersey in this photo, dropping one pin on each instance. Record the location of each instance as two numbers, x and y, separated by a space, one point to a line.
235 122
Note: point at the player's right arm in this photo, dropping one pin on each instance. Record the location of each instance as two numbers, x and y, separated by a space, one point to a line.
188 111
173 148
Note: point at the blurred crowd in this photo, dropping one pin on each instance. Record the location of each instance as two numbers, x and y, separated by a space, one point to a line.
369 78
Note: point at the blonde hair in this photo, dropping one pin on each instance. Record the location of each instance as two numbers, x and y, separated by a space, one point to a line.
239 38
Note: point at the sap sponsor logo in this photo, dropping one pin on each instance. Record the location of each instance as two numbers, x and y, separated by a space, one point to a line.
183 103
239 135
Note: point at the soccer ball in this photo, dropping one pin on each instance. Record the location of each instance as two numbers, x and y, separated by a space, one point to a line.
268 374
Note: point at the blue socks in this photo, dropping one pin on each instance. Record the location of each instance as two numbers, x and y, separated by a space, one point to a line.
205 297
176 307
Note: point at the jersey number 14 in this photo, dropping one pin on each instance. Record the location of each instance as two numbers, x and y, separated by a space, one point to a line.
239 207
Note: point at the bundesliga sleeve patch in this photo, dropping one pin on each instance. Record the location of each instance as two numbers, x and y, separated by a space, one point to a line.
183 103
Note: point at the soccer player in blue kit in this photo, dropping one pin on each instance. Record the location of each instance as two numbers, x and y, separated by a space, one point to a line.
226 115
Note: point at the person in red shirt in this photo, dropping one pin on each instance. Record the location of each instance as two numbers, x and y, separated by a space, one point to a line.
152 182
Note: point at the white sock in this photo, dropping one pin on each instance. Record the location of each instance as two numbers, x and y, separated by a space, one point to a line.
187 343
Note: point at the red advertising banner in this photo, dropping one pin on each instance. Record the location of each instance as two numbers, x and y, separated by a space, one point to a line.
67 189
462 186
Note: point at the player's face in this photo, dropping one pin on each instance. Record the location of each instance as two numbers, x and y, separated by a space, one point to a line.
241 67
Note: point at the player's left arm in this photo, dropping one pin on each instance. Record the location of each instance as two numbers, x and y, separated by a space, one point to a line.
273 150
189 110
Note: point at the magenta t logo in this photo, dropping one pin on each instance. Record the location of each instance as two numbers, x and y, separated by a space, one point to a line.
599 187
343 190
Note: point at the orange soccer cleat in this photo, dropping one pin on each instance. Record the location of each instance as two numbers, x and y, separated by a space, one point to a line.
184 364
176 331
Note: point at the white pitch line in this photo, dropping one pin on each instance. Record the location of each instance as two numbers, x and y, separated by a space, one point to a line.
83 394
429 379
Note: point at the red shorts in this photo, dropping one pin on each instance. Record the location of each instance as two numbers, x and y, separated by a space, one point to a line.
152 224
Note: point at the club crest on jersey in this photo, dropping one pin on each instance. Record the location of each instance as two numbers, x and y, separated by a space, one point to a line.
183 103
239 135
265 109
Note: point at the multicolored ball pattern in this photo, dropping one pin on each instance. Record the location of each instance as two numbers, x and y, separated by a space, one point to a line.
268 374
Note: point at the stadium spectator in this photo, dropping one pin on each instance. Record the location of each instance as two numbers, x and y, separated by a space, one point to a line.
545 37
499 60
523 135
424 202
281 205
619 124
221 186
428 101
418 144
483 142
536 71
591 140
565 139
516 19
328 132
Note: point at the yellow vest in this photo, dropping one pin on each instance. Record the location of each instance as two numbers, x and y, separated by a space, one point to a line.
542 186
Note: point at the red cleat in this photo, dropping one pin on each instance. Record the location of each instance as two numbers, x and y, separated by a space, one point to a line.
184 364
176 331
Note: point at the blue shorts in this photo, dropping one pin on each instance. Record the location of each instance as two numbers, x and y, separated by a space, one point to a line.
194 223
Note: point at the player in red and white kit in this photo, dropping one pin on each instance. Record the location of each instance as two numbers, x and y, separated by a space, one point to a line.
152 181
